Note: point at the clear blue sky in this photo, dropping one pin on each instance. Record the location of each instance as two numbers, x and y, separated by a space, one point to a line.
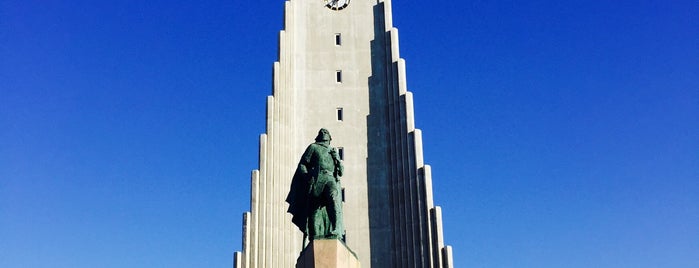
561 133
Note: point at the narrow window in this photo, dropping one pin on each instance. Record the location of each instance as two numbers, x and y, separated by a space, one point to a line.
338 39
338 76
340 114
341 152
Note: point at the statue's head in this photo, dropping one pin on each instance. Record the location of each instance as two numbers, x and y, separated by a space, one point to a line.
323 135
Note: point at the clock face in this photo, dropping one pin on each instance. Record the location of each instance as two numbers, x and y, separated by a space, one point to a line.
336 4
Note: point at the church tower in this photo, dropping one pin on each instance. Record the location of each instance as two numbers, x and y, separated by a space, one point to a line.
339 68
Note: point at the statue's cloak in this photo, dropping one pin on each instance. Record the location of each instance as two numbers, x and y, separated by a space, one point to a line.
298 200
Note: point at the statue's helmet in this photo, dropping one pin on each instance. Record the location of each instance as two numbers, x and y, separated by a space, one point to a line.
323 135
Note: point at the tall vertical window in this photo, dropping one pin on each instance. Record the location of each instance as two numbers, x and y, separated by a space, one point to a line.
340 114
338 39
341 152
338 76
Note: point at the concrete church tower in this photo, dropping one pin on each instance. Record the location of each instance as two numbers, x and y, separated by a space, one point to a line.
339 68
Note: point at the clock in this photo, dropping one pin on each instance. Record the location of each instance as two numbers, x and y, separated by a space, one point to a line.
336 4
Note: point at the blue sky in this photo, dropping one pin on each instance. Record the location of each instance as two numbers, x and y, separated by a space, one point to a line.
561 133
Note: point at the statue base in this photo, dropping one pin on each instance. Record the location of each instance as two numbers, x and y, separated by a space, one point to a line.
327 253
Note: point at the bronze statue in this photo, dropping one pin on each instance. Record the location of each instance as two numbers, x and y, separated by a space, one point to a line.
315 198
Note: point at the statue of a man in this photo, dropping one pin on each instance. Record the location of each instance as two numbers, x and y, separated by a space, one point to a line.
315 198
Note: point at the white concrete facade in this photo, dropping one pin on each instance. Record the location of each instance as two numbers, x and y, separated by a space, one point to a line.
341 70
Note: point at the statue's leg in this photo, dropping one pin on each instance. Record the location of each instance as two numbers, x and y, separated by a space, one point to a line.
314 224
319 224
334 206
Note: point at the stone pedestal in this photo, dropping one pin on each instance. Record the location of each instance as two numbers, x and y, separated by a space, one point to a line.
330 253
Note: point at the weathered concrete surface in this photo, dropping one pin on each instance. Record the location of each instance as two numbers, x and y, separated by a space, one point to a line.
327 253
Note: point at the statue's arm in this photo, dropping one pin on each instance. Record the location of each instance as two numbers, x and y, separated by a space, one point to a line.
339 168
305 162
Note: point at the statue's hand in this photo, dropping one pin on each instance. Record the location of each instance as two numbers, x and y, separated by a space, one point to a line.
334 154
303 169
